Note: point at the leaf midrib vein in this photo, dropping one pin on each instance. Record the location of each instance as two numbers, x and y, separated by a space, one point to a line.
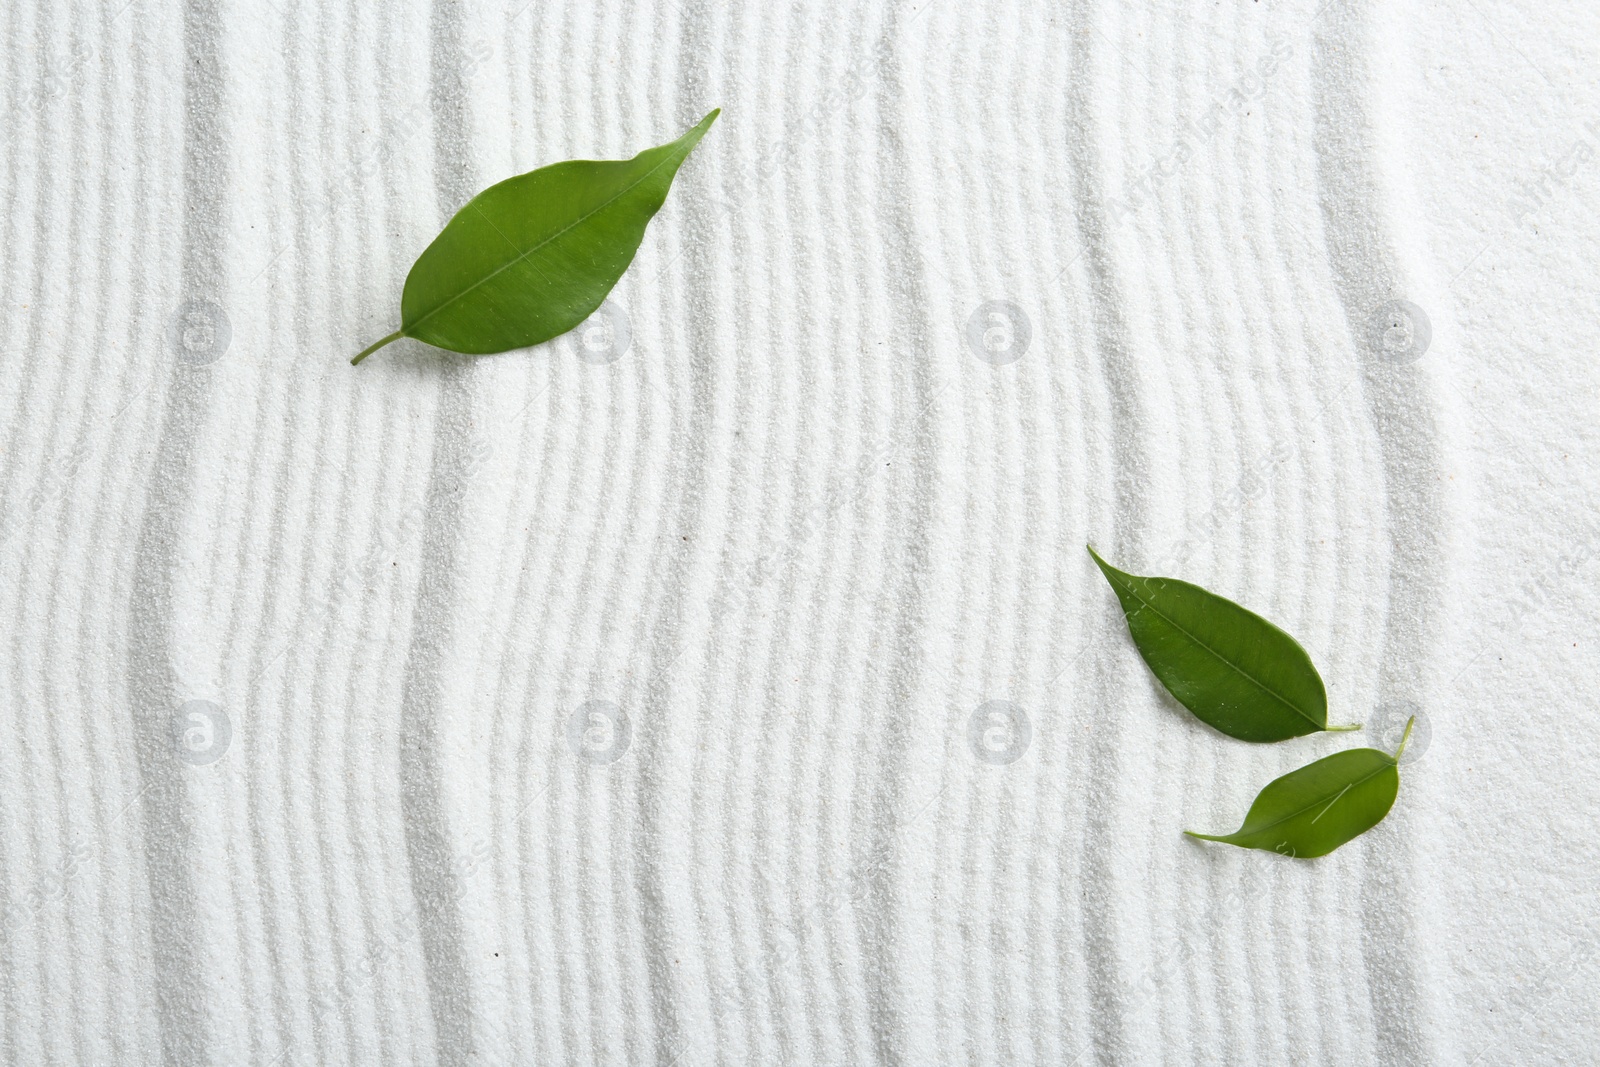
1240 671
513 262
1296 814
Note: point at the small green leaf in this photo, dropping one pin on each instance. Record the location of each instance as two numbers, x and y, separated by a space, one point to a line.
1232 668
1312 811
532 257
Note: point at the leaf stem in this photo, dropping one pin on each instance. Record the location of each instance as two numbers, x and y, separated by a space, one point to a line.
1404 738
365 352
1341 729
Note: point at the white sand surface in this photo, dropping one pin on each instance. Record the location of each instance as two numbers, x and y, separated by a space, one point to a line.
556 708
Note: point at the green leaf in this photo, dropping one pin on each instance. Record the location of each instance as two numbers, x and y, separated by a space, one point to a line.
532 257
1312 811
1232 668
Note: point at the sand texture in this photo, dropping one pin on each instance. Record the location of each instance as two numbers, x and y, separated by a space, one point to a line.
726 683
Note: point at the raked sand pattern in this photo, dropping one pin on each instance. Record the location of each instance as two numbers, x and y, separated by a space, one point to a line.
726 682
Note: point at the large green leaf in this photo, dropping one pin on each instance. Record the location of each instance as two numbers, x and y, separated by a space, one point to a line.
1232 668
1312 811
532 257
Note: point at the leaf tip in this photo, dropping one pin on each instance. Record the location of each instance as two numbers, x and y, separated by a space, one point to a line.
699 129
1105 568
1342 729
